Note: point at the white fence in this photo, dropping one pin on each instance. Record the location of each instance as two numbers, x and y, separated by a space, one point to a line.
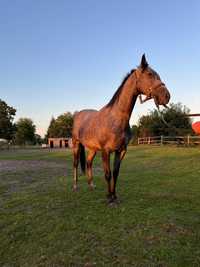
173 140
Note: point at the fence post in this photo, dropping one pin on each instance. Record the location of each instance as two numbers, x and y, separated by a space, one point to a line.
161 140
149 141
188 140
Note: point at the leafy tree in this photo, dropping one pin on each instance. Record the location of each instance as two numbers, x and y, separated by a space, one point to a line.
61 127
170 122
7 114
38 139
135 133
25 133
51 129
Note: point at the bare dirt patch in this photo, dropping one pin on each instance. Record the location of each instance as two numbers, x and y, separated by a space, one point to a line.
17 165
32 175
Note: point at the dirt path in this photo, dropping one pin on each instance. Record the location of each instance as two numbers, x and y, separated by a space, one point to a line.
17 165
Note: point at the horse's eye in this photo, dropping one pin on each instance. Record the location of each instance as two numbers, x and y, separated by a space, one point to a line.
150 74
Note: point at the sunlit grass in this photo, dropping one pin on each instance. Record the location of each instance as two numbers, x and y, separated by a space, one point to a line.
43 223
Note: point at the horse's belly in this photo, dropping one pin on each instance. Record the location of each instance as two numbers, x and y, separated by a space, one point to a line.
89 139
117 142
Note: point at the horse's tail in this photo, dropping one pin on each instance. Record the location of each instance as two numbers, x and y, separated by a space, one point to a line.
82 158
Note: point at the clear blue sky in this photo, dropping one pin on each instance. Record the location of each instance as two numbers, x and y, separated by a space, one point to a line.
58 56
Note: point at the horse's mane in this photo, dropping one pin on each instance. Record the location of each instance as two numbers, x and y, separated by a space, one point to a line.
118 92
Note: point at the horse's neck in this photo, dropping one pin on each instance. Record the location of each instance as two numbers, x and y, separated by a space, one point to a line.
125 103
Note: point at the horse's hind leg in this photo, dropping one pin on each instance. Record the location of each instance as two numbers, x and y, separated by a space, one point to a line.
90 158
76 154
107 171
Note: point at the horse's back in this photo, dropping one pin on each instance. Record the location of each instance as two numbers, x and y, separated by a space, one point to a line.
83 116
82 119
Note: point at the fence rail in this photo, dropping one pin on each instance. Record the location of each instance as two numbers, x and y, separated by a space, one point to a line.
173 140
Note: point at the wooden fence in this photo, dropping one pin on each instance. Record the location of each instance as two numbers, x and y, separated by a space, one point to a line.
173 140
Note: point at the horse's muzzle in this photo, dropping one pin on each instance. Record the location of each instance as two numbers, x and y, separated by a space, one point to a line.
161 96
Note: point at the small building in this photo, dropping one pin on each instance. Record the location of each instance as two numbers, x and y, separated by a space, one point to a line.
4 144
58 142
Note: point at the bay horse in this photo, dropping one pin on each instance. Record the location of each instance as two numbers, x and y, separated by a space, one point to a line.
108 129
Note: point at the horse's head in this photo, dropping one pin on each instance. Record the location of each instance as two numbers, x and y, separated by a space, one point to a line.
150 84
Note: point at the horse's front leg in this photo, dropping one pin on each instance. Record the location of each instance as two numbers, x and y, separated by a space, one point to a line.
90 158
119 155
107 171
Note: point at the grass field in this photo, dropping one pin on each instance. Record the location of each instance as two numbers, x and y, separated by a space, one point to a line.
44 223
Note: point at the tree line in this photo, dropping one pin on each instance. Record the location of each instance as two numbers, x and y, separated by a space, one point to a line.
169 122
172 121
23 132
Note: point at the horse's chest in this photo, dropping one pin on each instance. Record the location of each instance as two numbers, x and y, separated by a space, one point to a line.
116 139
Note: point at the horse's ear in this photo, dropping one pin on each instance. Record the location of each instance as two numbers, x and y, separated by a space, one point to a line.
144 63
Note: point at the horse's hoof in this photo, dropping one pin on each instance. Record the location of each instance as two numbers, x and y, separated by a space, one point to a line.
113 201
75 189
92 187
113 204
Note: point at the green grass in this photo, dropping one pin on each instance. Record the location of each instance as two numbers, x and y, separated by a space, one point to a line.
44 223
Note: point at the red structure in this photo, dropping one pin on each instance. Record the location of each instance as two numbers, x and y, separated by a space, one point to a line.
196 127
